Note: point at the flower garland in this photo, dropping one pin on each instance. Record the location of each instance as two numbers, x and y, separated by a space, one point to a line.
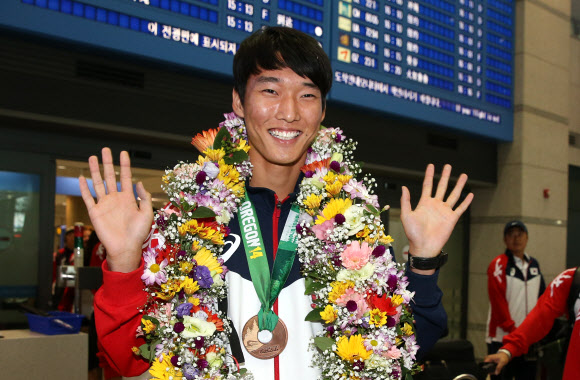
358 292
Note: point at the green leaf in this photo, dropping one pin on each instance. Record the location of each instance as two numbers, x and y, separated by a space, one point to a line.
236 157
222 138
312 286
323 343
152 319
243 371
202 212
372 209
146 351
314 315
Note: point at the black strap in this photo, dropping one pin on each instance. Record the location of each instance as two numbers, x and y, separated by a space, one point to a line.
573 295
235 344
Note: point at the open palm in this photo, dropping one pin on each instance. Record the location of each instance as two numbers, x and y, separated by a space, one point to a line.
429 226
120 223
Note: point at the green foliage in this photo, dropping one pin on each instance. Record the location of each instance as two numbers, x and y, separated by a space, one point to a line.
312 286
323 343
202 212
314 315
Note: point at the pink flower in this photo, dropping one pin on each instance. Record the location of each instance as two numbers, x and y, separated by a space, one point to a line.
322 231
153 273
393 353
351 295
355 256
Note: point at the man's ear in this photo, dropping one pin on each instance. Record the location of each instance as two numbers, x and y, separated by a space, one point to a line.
237 104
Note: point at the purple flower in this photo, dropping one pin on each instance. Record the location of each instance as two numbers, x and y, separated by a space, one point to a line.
391 322
200 177
203 276
184 309
310 150
379 251
358 365
351 306
153 273
199 341
338 138
339 219
299 229
330 329
202 363
174 360
189 371
334 165
392 282
309 174
178 327
181 254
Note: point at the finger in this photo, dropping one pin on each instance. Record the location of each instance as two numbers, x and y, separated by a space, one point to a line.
428 181
405 202
456 192
464 205
442 185
125 176
86 193
98 184
145 205
109 171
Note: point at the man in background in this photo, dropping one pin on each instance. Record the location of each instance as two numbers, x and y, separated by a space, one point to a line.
514 284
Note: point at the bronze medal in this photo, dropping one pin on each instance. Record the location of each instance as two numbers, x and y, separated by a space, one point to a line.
264 350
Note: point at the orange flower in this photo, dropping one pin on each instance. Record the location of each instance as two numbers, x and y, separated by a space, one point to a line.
315 165
204 140
213 318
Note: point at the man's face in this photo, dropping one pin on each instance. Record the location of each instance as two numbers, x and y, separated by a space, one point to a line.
516 239
282 112
70 240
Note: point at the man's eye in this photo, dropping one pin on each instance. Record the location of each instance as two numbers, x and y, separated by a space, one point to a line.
309 96
269 91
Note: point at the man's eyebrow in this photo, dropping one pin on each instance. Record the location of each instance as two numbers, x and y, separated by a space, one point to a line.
267 79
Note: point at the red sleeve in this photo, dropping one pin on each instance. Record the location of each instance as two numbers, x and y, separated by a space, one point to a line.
117 316
496 288
551 305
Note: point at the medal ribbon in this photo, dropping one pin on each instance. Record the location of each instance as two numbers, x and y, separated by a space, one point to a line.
267 285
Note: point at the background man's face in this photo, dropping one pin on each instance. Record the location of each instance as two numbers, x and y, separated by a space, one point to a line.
516 239
282 112
70 240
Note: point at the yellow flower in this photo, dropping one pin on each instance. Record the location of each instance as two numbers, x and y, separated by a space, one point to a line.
214 154
193 300
185 267
352 349
330 178
386 239
333 188
136 350
363 233
194 228
329 315
335 206
397 299
168 290
312 201
148 326
243 145
344 178
338 289
378 318
164 370
228 174
204 257
189 286
407 329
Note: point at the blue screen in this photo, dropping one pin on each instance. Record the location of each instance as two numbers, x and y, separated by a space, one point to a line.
447 63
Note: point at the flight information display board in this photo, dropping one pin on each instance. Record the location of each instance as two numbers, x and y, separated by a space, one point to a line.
441 62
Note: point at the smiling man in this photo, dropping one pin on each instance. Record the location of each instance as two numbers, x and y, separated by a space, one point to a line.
281 79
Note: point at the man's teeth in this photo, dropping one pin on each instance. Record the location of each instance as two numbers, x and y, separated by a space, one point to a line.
284 135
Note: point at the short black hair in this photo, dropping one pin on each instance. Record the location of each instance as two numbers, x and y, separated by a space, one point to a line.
278 47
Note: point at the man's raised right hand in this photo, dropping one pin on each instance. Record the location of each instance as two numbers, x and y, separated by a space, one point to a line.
121 224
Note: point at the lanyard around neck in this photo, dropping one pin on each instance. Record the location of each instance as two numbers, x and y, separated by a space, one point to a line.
267 284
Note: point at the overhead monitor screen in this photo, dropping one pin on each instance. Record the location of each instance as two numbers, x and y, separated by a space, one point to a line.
446 63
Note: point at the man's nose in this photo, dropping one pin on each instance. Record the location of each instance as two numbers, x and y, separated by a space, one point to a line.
288 109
